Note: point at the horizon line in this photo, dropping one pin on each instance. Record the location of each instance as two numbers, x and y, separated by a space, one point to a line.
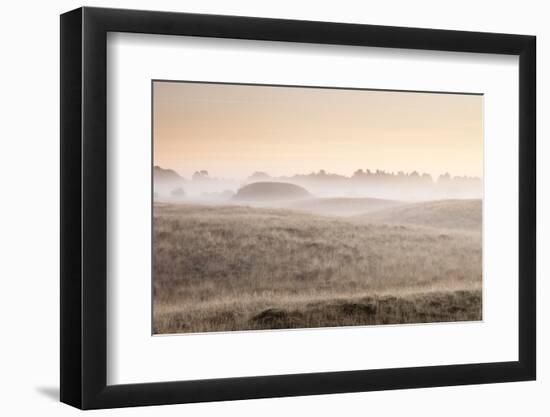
366 171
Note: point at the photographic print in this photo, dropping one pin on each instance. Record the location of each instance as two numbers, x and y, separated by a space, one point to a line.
289 207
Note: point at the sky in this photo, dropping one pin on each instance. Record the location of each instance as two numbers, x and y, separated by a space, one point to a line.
234 130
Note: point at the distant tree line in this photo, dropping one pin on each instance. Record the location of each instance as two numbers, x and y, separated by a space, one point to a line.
367 174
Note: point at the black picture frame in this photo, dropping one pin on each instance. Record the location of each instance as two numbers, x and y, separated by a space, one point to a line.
84 207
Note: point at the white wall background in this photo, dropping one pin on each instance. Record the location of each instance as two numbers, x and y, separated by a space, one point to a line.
29 225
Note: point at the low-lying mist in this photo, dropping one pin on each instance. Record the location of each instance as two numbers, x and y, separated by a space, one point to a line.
171 187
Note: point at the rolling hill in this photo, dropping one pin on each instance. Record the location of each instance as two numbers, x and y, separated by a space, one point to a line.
261 192
222 268
342 206
447 214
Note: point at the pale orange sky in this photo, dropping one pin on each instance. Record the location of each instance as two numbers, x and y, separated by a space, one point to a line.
233 130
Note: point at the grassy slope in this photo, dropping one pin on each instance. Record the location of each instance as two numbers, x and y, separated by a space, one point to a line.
450 214
342 206
215 270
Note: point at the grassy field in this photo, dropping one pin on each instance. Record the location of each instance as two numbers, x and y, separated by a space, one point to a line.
221 268
342 207
446 214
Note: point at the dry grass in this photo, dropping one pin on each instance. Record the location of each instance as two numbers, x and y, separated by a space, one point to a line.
239 268
342 206
425 307
450 214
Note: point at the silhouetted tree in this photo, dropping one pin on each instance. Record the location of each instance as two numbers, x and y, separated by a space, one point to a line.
200 175
444 177
259 175
177 192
